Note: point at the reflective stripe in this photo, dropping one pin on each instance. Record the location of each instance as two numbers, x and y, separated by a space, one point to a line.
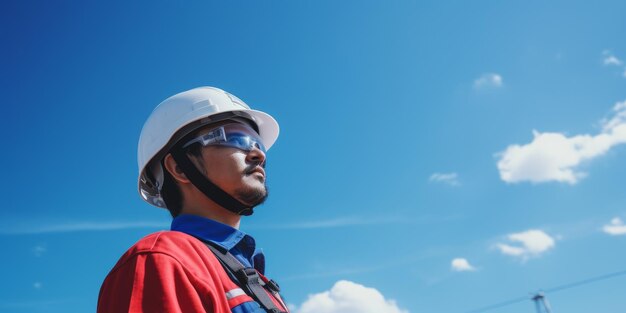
234 293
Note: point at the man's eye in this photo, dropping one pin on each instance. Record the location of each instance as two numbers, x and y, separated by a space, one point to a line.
241 141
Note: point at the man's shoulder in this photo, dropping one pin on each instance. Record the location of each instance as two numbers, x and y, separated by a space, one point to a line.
167 266
172 251
177 247
173 243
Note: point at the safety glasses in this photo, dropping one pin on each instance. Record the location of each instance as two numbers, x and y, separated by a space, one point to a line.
234 135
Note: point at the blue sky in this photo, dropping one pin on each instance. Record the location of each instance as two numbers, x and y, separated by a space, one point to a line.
412 135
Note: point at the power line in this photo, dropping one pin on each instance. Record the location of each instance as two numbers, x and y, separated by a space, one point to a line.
585 281
550 290
499 305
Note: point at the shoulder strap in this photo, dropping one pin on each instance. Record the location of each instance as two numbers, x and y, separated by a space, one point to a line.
249 279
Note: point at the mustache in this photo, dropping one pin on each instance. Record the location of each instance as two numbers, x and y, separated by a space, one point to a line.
252 167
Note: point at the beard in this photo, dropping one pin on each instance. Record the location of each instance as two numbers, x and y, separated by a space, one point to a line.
252 196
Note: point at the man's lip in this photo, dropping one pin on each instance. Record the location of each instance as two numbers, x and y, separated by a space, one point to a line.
258 170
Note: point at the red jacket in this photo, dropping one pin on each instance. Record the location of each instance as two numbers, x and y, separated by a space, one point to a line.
169 271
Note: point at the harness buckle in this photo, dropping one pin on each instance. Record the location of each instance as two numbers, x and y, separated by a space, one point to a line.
246 275
273 285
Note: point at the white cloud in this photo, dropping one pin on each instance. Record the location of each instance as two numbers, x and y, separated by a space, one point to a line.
348 221
451 179
349 297
351 221
556 157
37 285
615 228
530 243
39 250
35 305
461 265
17 229
611 59
488 80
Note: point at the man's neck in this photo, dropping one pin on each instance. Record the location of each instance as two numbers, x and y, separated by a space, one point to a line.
214 212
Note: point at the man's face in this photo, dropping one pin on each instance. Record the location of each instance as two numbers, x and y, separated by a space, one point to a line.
240 173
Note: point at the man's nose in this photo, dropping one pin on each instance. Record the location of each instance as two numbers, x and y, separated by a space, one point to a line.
256 155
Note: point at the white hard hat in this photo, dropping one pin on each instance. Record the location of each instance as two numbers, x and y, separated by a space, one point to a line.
178 116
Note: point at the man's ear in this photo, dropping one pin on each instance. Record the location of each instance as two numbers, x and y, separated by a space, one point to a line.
174 170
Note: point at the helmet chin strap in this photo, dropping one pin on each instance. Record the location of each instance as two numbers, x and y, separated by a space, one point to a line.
207 187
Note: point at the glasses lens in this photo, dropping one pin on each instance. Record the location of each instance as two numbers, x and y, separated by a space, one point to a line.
243 142
242 137
232 135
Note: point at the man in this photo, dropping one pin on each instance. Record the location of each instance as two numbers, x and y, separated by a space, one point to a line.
201 155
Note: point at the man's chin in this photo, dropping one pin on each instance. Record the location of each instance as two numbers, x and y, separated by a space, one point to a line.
252 196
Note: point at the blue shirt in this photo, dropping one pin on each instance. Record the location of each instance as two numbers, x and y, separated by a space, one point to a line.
241 245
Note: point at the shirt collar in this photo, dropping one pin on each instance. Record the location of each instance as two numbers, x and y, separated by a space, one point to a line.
206 229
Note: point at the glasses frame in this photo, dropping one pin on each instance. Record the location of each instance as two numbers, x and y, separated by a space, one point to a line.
219 136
